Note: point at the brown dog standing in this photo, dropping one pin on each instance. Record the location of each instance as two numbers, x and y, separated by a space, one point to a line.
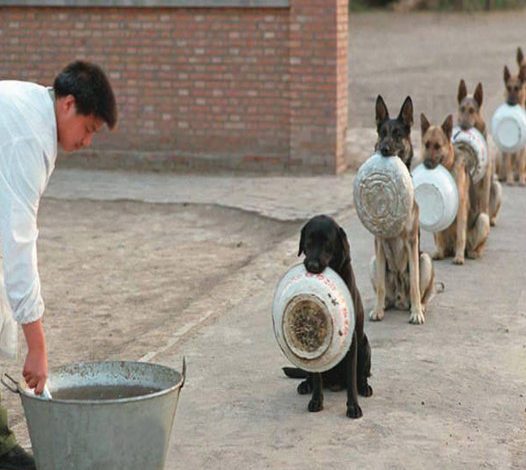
401 275
488 190
469 232
512 166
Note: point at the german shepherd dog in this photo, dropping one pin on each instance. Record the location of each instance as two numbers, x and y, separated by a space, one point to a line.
512 165
488 190
325 243
402 276
469 232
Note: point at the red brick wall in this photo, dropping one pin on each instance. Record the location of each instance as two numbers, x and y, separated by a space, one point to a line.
239 88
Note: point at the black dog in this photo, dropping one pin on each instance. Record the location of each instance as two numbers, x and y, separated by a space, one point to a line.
325 243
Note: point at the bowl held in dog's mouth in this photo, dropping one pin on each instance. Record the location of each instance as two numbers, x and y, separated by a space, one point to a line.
313 318
508 128
383 195
436 195
473 138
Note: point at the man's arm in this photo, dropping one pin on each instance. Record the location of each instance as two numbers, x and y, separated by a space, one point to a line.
35 367
22 177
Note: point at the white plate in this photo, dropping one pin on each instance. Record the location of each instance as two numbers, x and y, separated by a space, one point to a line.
436 194
508 127
313 318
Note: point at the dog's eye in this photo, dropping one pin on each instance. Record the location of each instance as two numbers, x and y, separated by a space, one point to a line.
396 133
436 146
428 145
516 89
508 88
471 111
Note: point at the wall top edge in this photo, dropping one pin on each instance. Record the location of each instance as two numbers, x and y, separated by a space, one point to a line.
149 3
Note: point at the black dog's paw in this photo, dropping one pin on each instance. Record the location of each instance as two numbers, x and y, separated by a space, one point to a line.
304 388
365 390
315 405
354 411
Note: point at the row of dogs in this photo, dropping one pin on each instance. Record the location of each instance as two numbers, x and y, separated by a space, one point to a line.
402 275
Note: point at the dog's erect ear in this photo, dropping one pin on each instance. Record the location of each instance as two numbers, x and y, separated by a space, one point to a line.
424 124
520 56
507 74
478 95
345 245
447 126
301 248
462 91
381 111
522 74
406 112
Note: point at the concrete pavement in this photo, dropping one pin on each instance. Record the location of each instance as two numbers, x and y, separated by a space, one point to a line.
448 394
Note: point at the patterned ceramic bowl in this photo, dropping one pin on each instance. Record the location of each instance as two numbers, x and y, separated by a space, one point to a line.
383 195
476 141
313 318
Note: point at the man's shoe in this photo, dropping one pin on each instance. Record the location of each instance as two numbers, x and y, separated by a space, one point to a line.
17 459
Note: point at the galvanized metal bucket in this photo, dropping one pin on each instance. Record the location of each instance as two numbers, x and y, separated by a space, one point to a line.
102 434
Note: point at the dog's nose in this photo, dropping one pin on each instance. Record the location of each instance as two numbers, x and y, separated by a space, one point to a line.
429 164
385 150
512 101
313 266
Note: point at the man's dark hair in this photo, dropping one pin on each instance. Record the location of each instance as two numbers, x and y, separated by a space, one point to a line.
91 89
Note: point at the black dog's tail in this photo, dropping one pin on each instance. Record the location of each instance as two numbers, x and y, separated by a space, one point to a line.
295 373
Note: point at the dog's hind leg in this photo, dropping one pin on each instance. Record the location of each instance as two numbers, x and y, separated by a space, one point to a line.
378 277
509 159
495 200
353 408
427 279
417 313
364 367
478 236
316 401
521 166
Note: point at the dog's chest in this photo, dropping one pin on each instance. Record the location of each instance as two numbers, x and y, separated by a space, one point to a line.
396 255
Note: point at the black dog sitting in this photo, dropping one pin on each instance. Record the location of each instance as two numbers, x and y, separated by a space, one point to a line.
325 243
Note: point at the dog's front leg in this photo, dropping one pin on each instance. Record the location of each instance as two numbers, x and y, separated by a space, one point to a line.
462 217
316 401
353 408
508 163
417 313
521 165
377 313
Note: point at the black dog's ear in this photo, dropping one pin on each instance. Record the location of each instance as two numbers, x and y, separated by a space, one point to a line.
406 112
346 248
301 248
522 74
381 111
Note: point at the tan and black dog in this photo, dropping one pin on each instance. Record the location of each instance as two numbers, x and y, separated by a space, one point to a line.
488 190
402 276
512 166
469 232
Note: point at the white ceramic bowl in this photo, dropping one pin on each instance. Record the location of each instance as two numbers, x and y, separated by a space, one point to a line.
436 194
313 318
477 142
508 127
383 195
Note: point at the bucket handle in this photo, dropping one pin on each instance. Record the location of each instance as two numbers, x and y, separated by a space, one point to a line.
184 371
8 386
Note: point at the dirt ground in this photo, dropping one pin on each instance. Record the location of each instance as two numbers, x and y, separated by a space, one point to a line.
118 277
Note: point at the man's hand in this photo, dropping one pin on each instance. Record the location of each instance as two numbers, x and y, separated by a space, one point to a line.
35 368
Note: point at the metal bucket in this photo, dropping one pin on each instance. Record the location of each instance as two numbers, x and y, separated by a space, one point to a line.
100 432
